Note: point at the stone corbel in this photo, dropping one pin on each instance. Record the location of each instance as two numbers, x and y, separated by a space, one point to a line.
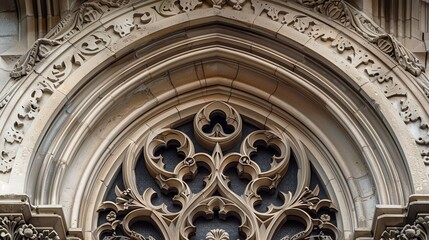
400 223
21 220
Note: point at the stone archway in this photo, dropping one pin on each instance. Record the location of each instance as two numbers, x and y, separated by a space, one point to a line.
115 71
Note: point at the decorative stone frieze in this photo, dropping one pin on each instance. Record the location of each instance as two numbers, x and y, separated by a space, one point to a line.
88 13
344 13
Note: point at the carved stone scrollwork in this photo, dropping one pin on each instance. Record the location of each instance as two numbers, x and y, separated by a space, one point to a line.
68 27
15 134
90 45
97 41
409 222
217 125
38 51
94 43
173 7
334 9
342 12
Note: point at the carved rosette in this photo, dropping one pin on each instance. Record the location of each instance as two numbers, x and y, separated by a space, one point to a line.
216 198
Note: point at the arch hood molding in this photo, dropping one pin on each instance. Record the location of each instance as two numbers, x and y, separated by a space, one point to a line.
116 70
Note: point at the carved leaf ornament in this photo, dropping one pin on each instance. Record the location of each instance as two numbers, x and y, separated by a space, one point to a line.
417 231
216 127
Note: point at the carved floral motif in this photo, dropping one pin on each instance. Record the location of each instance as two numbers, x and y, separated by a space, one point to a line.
15 228
173 7
217 234
90 45
303 204
335 9
38 51
417 231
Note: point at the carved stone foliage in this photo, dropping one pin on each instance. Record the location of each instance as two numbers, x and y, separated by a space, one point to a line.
90 45
87 13
60 70
419 230
342 12
15 133
409 110
15 228
217 234
173 7
92 11
410 222
217 199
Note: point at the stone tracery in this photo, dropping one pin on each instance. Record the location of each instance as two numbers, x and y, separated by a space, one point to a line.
216 197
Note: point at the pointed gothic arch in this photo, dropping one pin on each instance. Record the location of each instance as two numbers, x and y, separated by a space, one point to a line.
116 71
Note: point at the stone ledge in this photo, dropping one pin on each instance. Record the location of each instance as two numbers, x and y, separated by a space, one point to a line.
19 218
393 222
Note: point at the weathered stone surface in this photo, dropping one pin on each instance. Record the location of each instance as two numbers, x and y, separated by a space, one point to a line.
84 101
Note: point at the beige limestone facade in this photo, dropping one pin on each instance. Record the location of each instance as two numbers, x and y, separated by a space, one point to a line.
214 119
